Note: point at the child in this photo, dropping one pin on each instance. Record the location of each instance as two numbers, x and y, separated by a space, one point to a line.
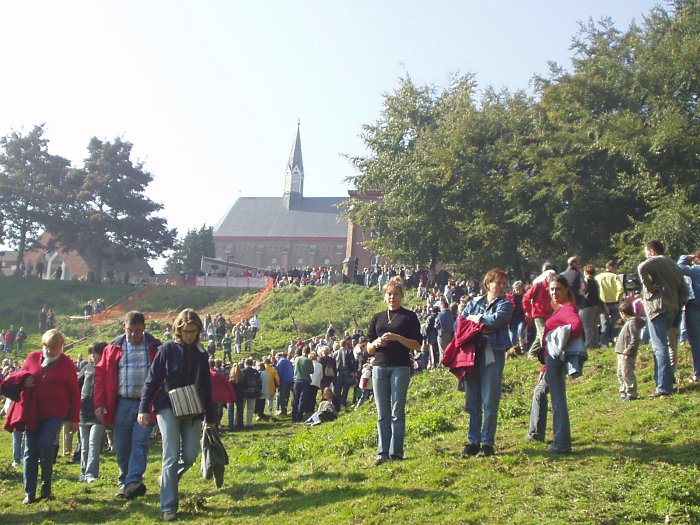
366 382
626 348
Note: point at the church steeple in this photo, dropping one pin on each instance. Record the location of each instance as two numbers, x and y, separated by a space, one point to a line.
294 174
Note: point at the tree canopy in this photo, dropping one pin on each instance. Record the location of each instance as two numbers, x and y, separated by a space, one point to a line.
100 209
188 252
598 160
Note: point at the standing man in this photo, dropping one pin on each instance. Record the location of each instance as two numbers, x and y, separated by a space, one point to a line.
577 283
664 294
119 379
285 370
611 294
445 324
690 267
303 368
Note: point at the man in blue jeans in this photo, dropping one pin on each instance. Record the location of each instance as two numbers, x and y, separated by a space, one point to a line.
664 294
119 379
285 370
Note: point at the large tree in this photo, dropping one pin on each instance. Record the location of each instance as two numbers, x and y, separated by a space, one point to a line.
110 217
29 179
188 252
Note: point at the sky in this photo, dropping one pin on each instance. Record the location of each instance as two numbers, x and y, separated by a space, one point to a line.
210 92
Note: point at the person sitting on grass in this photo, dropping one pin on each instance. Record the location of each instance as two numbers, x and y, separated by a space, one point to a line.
327 409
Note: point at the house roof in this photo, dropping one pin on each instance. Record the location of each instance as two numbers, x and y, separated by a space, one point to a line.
267 217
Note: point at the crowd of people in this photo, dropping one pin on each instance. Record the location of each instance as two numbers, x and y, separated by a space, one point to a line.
137 382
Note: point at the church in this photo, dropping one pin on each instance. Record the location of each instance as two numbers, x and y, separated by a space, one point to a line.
291 231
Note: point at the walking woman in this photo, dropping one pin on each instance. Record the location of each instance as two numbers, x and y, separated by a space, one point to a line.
49 392
177 364
92 432
483 387
394 335
564 314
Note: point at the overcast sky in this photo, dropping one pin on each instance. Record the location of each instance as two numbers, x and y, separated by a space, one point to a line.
209 92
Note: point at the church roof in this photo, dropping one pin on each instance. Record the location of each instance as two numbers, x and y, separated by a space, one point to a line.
267 217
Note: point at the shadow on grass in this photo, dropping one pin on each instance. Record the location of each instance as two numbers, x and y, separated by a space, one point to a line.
685 455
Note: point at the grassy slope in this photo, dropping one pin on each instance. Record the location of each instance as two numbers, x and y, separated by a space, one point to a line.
632 462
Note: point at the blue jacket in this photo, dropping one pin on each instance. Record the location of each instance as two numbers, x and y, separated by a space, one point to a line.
285 369
495 316
685 263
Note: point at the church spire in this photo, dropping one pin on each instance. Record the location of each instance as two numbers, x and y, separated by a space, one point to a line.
294 174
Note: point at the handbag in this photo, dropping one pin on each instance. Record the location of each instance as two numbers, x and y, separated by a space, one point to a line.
186 401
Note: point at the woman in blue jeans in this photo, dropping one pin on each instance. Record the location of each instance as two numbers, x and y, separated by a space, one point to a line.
179 363
394 335
483 386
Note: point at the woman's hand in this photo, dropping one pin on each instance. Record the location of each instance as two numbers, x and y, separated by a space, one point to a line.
74 427
143 419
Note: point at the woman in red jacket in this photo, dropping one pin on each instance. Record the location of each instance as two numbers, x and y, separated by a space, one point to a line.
52 376
565 313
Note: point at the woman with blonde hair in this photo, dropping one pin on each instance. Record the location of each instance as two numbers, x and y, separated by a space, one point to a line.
49 387
394 335
177 364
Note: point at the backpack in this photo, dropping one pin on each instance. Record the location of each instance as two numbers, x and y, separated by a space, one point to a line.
328 371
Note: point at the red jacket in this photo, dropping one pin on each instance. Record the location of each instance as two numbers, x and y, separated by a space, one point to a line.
537 302
23 413
55 393
461 351
107 374
221 389
566 314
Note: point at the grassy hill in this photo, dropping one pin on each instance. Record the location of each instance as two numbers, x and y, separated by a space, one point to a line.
632 462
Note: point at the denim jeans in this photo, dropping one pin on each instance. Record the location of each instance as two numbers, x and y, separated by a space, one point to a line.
301 394
538 410
235 415
517 332
130 442
341 386
556 380
39 446
390 386
663 371
692 323
283 397
17 447
91 439
609 328
180 449
483 395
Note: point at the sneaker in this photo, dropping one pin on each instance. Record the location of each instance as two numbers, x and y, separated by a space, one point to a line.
28 499
119 494
379 461
532 437
630 397
694 379
169 516
90 480
15 464
134 490
472 449
485 451
551 451
658 393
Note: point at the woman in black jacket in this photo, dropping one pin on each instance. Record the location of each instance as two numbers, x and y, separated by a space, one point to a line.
177 364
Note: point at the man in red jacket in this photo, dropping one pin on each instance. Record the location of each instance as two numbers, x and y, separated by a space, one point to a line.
537 305
119 379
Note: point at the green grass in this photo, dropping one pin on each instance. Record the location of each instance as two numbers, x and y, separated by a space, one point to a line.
632 462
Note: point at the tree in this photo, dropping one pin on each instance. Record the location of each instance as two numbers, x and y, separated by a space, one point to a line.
188 253
110 218
29 178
